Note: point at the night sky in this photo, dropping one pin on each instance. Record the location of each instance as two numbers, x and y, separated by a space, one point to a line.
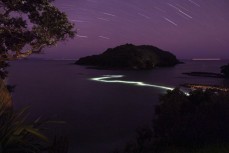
187 28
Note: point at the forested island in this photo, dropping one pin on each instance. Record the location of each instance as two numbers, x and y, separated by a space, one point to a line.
129 56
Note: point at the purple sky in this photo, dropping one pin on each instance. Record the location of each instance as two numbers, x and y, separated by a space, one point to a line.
187 28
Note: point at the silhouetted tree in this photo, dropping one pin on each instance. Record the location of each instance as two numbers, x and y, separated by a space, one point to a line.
225 70
27 26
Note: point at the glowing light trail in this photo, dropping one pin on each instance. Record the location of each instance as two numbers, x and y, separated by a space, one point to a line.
109 14
143 15
103 37
182 12
170 21
107 79
103 19
80 36
194 3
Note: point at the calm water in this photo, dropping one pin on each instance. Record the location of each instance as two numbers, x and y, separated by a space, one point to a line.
100 116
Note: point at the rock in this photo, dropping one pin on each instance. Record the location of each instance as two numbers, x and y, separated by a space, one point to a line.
5 96
130 57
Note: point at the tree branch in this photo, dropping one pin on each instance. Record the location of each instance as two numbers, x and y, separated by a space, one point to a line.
21 55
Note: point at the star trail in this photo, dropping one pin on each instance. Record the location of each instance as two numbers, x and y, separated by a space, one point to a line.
188 28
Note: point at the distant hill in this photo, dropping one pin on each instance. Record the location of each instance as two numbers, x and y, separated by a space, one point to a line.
129 56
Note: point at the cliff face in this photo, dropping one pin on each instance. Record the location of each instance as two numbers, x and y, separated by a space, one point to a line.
131 57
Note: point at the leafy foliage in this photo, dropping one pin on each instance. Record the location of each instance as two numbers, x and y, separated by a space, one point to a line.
36 23
17 136
182 123
3 71
27 26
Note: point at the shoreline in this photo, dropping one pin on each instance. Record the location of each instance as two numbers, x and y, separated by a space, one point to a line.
204 74
205 87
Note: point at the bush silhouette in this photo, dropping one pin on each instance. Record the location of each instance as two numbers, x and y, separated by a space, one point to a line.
199 119
185 123
225 70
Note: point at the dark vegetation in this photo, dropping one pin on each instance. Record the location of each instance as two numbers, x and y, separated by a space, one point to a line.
184 124
17 135
131 57
225 70
26 27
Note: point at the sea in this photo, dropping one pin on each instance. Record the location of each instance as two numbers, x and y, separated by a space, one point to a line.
100 109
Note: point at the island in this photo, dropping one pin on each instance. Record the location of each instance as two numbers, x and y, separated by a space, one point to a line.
130 56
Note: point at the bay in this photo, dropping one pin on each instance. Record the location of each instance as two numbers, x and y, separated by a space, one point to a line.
100 115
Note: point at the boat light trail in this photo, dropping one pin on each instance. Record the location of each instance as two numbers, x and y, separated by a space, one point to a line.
107 79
